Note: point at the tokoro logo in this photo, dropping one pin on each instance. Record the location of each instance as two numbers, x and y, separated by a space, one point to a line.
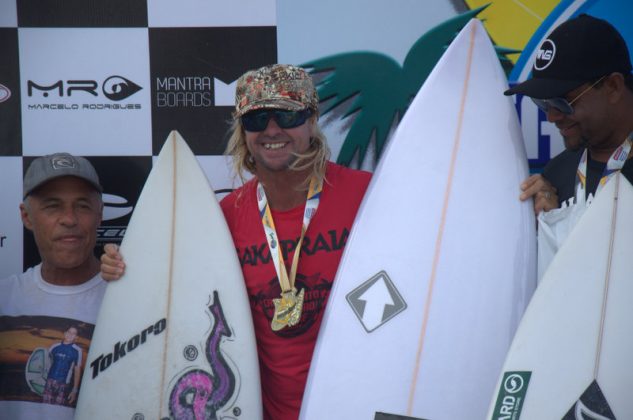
5 93
115 88
511 395
545 55
122 348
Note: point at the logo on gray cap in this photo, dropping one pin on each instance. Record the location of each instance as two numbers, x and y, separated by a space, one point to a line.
60 162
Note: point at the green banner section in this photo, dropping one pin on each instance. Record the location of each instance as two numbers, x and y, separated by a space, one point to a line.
511 396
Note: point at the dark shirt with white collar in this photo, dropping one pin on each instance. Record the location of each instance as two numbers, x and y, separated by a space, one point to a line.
561 173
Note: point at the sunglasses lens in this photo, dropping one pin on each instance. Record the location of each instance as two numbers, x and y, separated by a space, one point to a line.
538 102
258 120
558 104
291 119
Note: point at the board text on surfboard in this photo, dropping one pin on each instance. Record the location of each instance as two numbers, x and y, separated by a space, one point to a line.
121 348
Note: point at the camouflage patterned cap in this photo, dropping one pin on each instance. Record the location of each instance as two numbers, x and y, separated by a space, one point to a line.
280 86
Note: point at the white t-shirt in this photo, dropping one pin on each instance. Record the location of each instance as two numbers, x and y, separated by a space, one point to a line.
34 315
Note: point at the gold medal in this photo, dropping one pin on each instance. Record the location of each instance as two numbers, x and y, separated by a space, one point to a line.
288 309
289 306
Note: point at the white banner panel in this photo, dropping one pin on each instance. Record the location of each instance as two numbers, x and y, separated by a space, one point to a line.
10 222
8 14
85 91
202 13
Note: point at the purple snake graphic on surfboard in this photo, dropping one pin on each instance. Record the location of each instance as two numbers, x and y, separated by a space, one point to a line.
198 394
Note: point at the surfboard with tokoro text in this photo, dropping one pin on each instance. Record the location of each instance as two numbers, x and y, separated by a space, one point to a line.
174 338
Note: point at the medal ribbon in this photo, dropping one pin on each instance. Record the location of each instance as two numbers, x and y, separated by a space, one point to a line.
615 163
286 282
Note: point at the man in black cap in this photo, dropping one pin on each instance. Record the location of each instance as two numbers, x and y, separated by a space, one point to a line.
582 80
62 207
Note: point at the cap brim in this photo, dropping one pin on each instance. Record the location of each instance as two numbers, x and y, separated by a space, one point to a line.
544 88
272 104
43 182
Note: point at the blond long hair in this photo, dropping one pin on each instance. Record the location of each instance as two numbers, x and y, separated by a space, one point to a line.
315 158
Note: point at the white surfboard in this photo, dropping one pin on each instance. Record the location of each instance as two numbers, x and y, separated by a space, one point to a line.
571 357
440 263
36 370
174 337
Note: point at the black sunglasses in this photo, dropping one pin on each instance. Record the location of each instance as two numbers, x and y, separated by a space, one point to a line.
561 104
258 120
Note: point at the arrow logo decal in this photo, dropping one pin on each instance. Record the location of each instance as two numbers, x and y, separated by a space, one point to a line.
376 301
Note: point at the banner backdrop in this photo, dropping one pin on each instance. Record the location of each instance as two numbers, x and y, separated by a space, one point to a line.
108 79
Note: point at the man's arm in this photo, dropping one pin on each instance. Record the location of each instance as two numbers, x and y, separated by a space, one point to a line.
72 396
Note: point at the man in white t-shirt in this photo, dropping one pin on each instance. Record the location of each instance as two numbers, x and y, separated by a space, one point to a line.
62 207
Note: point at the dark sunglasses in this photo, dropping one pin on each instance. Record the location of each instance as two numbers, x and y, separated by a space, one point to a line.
562 104
258 120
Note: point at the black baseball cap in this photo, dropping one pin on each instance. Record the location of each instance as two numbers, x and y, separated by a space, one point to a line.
578 51
49 167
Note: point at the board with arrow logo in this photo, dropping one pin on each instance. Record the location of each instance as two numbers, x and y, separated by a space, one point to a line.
441 260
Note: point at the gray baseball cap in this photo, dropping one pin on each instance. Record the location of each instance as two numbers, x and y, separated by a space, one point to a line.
49 167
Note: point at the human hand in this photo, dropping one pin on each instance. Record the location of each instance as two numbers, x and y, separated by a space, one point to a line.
543 193
112 265
72 396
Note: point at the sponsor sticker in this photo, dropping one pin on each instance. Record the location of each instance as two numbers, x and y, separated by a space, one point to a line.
115 88
592 404
376 301
545 55
511 395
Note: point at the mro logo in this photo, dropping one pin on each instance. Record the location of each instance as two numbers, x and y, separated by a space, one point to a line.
115 88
